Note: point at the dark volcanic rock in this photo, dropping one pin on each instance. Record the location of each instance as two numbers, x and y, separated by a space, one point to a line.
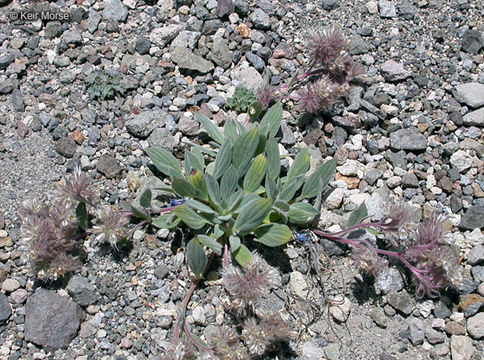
5 311
51 320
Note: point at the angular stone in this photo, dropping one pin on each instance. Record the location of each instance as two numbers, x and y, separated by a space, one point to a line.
472 41
475 326
260 19
144 123
221 54
162 137
474 118
393 71
461 347
340 308
81 291
408 139
51 320
5 310
186 59
416 329
247 76
471 94
401 301
162 36
108 166
473 218
387 9
17 100
115 10
225 7
389 280
66 146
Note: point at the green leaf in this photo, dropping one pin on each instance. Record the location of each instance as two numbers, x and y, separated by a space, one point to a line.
210 128
138 213
164 162
273 159
198 181
243 255
211 243
234 242
300 165
192 162
196 257
223 160
273 234
213 189
244 149
254 111
271 188
183 187
189 217
235 199
272 120
252 214
82 216
145 199
301 213
290 187
166 221
228 183
166 188
248 198
358 215
197 205
320 176
282 205
230 131
255 174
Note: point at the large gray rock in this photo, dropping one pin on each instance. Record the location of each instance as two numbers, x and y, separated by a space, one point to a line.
5 310
51 321
247 76
474 118
186 59
408 139
401 301
144 123
393 71
162 137
225 7
473 218
461 347
162 36
471 94
186 39
115 10
475 326
6 59
81 291
260 19
472 41
387 9
221 53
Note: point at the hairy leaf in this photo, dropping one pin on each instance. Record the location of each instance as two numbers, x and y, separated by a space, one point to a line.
183 187
234 242
252 214
255 174
358 215
319 178
197 205
273 234
164 161
300 165
290 187
273 159
243 255
213 190
196 257
145 199
301 213
244 149
223 160
166 221
189 217
210 128
198 182
272 120
211 243
228 183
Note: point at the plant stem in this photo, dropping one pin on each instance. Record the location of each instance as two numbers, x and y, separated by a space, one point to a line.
184 304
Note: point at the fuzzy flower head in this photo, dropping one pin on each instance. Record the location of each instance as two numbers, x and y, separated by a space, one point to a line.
75 188
398 216
266 94
431 230
249 284
325 46
110 225
320 95
368 259
226 344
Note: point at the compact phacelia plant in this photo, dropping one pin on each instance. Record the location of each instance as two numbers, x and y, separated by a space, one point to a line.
325 81
54 231
242 195
104 85
241 100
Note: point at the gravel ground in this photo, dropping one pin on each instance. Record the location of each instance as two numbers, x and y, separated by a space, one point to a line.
412 130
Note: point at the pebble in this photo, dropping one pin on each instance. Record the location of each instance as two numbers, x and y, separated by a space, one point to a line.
461 347
10 285
340 308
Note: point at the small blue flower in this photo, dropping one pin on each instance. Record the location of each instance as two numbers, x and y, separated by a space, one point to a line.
176 202
302 236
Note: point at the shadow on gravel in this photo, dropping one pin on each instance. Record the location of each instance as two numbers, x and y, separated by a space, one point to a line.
364 291
118 254
282 351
